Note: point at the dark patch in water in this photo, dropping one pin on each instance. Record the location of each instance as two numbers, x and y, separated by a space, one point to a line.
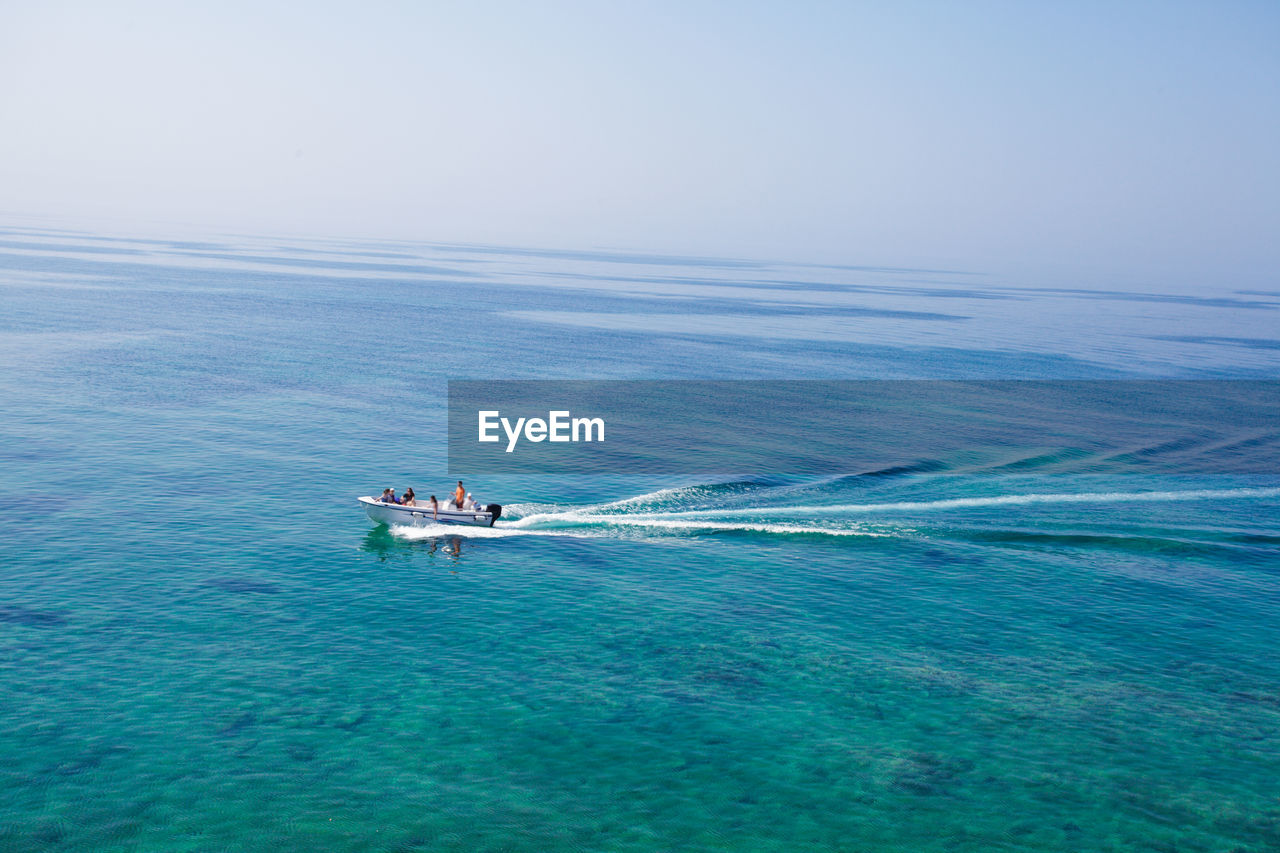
761 611
13 614
1124 296
349 723
67 247
929 775
682 697
924 466
728 677
48 833
1254 538
243 585
1269 700
1174 446
401 256
952 557
1139 544
1066 454
1214 340
609 257
28 453
239 724
918 270
90 759
305 263
785 284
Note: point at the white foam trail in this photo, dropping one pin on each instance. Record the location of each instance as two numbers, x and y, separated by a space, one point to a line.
995 500
587 522
662 523
585 525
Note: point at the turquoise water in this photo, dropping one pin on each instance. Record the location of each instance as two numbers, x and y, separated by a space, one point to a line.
205 645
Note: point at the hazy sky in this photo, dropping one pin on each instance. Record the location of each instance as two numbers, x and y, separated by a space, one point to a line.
1126 136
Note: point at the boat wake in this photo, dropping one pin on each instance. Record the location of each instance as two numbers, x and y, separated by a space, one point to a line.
1018 500
749 508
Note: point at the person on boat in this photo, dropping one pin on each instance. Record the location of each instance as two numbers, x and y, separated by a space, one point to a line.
408 499
469 503
435 507
459 495
388 497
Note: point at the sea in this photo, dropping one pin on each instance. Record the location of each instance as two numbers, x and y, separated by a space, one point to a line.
205 644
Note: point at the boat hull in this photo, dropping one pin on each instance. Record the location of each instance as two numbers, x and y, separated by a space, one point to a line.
420 516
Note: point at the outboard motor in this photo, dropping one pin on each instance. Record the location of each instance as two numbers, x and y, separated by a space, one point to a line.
496 509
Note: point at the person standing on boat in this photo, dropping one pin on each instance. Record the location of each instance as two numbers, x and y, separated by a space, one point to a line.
459 495
435 507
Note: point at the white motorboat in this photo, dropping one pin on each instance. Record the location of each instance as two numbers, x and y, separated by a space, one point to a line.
421 515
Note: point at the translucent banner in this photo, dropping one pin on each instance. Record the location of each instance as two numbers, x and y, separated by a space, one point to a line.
841 427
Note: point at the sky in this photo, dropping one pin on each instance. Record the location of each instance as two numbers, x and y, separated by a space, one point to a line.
1133 139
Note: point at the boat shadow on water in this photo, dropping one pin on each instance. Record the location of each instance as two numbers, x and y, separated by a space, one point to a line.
384 544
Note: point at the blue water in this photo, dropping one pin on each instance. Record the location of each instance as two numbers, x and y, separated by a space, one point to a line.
205 645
